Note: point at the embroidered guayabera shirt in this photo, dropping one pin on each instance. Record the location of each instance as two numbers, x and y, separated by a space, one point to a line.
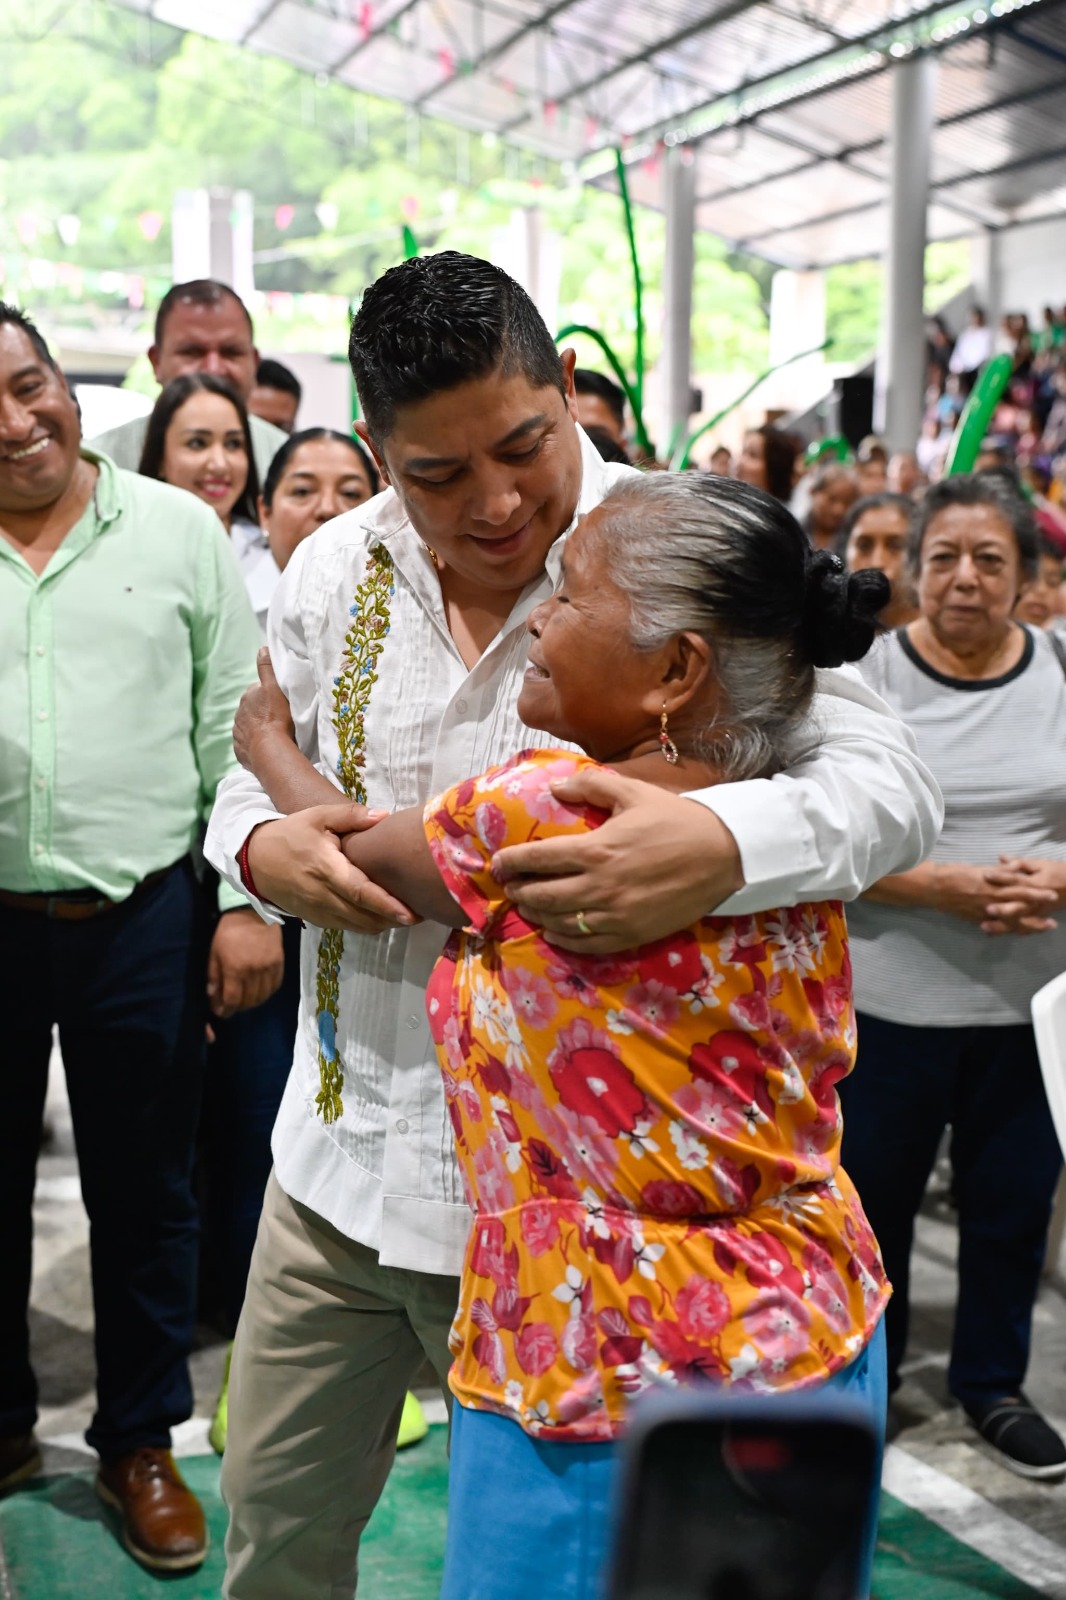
856 804
121 667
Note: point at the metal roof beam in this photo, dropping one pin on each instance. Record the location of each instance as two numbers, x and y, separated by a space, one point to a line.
494 52
846 157
706 25
1017 165
267 11
811 222
1041 46
877 40
934 188
374 33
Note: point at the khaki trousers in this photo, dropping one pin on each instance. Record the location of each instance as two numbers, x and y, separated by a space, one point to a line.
327 1346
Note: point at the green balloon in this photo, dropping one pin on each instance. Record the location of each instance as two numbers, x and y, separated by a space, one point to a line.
977 413
835 446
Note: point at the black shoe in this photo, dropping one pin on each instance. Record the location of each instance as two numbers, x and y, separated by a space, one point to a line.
1024 1442
20 1458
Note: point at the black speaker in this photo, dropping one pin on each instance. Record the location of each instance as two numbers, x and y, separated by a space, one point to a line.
851 407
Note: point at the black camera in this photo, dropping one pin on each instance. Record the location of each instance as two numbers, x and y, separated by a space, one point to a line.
746 1497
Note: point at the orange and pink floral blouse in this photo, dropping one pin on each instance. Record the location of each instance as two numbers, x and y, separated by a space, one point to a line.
650 1142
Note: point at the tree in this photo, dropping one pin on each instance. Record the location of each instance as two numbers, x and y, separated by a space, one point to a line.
97 130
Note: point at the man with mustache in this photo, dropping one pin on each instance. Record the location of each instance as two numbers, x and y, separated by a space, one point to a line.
127 639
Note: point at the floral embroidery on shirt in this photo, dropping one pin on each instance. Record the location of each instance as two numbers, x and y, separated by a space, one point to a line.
650 1141
351 695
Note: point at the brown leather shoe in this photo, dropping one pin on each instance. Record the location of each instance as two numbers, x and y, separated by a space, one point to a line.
20 1458
162 1520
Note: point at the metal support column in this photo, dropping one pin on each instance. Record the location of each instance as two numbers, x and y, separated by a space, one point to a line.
901 363
680 182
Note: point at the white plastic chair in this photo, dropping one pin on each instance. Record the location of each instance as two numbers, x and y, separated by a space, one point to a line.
1049 1024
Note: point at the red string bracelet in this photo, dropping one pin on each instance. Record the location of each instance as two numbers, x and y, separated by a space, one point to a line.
246 872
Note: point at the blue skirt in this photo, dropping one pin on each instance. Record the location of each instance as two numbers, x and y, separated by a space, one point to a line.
528 1518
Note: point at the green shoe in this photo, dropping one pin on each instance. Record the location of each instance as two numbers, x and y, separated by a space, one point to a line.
216 1437
413 1424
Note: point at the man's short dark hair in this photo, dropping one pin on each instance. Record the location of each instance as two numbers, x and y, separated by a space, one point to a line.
605 389
273 375
437 321
13 317
607 445
197 292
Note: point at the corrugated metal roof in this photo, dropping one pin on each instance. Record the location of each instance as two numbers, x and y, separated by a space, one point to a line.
786 103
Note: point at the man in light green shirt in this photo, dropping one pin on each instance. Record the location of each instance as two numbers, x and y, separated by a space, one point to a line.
201 326
126 640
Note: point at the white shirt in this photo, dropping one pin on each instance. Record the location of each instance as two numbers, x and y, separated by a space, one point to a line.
972 349
996 746
258 568
856 805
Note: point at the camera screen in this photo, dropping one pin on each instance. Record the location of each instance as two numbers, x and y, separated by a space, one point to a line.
723 1511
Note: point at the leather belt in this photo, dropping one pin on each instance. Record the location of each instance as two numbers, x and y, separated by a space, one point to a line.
77 905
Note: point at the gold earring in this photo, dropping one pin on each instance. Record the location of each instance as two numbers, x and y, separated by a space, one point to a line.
666 744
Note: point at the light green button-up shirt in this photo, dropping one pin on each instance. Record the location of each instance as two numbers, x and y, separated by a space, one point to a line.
121 666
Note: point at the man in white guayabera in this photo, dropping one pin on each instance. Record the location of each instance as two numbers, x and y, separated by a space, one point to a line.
398 638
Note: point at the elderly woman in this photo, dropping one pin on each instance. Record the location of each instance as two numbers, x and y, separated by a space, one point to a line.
875 535
943 975
649 1141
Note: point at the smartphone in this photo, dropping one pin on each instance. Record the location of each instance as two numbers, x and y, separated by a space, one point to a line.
749 1497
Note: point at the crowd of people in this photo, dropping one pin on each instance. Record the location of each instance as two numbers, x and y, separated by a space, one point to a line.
412 975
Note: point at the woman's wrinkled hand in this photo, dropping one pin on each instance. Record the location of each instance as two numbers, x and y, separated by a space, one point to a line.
262 714
1015 883
997 899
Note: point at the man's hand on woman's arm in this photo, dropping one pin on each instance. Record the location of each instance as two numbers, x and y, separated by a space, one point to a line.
659 863
854 804
298 864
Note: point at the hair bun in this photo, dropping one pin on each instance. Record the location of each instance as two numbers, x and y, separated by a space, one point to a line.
840 609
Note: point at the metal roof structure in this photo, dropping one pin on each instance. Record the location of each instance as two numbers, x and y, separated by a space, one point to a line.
785 104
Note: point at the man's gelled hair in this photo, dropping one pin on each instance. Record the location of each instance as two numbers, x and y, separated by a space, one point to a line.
437 321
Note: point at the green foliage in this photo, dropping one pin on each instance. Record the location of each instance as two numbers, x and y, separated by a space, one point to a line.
948 270
103 116
854 294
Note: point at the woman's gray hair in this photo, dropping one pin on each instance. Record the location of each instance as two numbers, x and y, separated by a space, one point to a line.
694 554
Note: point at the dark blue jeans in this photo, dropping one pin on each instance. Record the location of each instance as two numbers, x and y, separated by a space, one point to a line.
909 1083
247 1069
127 992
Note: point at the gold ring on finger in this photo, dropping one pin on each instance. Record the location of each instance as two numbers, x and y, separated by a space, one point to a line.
582 925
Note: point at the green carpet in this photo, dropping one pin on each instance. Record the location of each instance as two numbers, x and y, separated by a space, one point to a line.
57 1543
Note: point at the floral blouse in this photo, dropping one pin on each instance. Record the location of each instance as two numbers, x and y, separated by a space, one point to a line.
650 1142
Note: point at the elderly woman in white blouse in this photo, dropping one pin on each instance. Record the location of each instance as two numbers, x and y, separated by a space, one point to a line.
948 955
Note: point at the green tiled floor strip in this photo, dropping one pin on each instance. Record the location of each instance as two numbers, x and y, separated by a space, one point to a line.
56 1544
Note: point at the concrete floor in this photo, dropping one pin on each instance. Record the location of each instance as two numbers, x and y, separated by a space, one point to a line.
937 1466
